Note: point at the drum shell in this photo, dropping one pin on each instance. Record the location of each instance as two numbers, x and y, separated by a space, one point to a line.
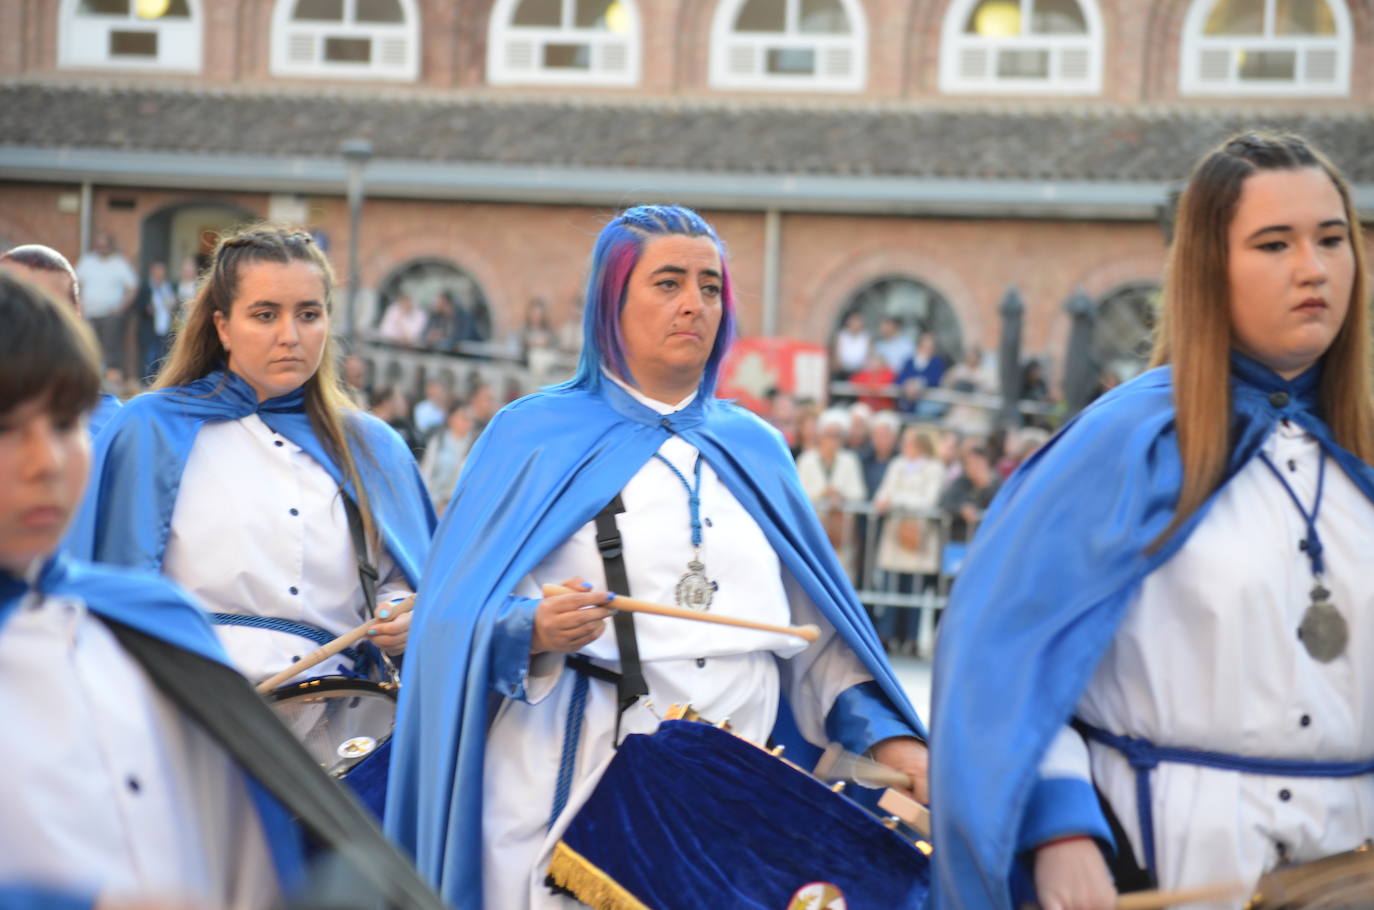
335 715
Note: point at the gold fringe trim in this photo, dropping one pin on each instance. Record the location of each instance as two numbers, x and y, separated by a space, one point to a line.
571 870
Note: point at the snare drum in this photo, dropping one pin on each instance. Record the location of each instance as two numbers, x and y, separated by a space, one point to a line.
345 724
693 816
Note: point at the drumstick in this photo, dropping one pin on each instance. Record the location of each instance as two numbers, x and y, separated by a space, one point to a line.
329 649
838 764
630 605
1158 900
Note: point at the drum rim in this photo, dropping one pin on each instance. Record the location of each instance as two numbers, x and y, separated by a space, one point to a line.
321 684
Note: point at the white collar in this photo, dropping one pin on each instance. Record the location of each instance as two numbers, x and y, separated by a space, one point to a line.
645 400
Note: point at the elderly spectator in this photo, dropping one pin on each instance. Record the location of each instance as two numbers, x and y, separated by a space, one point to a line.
833 478
852 345
971 375
46 268
50 271
923 370
431 410
403 322
893 344
882 446
910 542
445 454
857 439
108 286
967 498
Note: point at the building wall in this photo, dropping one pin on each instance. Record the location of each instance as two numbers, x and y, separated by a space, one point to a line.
1142 44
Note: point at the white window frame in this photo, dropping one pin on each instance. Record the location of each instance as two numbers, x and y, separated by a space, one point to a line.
83 40
515 52
402 40
956 46
729 46
1197 47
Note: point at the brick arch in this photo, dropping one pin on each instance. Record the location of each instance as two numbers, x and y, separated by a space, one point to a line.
471 27
823 306
922 59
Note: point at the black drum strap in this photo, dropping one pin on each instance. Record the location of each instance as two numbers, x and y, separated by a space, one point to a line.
631 685
222 703
367 572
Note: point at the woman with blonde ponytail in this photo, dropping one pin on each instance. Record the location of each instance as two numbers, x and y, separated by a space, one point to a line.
1156 666
235 475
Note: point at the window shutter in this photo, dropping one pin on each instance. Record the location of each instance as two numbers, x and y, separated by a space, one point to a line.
836 63
300 47
1214 65
392 52
614 57
520 54
1073 64
742 60
1319 65
973 63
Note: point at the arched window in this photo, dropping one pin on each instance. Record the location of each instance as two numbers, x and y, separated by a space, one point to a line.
1022 47
1123 332
564 42
812 45
358 39
1266 47
131 34
423 280
915 305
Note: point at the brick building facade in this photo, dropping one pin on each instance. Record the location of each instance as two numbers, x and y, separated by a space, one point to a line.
939 151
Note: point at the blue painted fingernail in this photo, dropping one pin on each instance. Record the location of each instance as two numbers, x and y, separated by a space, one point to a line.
371 631
586 585
610 596
384 614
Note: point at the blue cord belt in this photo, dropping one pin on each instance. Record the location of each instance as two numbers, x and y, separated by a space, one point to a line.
360 659
1143 756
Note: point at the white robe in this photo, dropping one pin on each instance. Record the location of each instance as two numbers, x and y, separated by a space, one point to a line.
259 528
1208 658
723 672
112 791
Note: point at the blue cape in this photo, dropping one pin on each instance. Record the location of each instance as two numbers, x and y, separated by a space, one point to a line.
542 469
105 408
156 607
141 453
1046 584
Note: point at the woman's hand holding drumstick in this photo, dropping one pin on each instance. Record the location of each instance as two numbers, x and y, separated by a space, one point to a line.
326 651
569 617
630 605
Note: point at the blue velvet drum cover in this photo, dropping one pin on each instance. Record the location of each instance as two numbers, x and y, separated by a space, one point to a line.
693 816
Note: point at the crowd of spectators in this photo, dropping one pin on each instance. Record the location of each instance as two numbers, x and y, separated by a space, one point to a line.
900 479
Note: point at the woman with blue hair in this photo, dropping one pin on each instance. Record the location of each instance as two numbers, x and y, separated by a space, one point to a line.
630 478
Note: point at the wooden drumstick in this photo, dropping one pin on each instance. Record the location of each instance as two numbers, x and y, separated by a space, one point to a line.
1158 900
329 649
630 605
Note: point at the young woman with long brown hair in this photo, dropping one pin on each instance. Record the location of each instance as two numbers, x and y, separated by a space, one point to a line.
235 475
1164 609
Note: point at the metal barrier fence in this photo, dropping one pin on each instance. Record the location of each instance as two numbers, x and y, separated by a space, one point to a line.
878 589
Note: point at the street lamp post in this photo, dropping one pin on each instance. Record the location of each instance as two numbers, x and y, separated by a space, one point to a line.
356 153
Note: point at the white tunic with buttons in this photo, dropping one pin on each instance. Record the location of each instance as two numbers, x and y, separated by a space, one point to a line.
1208 658
259 528
723 672
111 789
